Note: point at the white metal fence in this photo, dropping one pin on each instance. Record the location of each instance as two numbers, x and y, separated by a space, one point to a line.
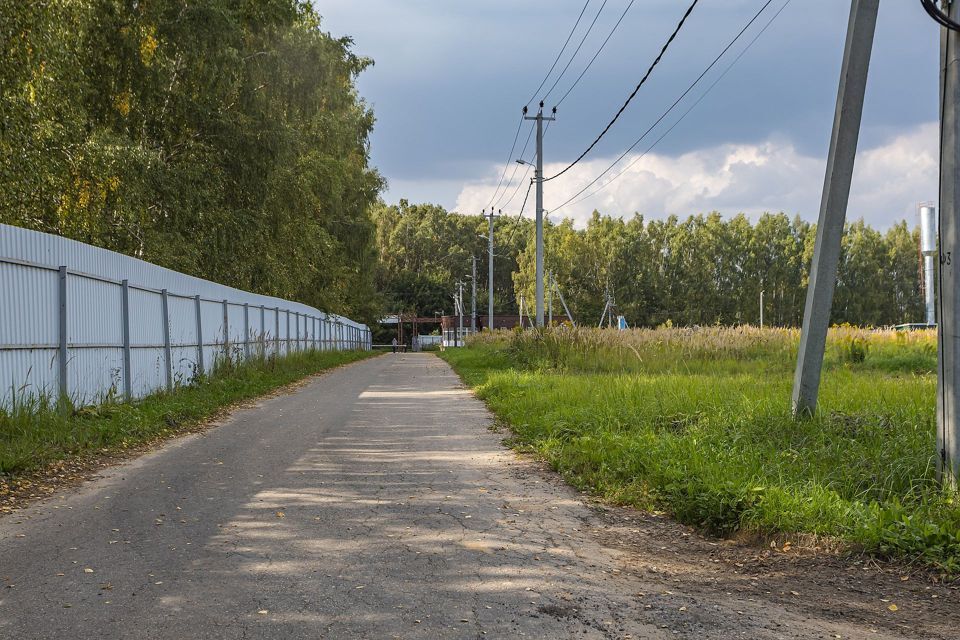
85 322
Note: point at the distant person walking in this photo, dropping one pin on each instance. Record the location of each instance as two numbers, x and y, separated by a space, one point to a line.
393 343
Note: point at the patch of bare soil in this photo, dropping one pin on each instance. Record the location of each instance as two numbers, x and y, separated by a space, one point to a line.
808 578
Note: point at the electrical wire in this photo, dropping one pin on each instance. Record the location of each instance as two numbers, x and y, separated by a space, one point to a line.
527 166
559 55
516 137
939 16
596 55
576 51
630 98
507 165
678 101
672 127
525 198
516 167
513 196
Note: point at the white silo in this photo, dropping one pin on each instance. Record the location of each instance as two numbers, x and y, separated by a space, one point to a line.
928 247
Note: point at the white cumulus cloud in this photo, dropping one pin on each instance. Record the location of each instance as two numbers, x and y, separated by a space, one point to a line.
889 181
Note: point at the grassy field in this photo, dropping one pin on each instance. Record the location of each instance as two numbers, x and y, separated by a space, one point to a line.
698 423
36 433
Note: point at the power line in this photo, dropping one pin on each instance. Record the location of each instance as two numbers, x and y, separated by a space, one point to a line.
596 55
516 136
632 95
507 165
513 196
559 55
525 198
677 102
513 175
527 166
937 14
579 46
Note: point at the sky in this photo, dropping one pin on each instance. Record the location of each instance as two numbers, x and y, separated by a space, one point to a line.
451 77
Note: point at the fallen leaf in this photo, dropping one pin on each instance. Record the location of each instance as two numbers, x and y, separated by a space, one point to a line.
893 607
281 514
88 570
263 612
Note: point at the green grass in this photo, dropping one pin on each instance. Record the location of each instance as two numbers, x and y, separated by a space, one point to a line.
698 423
35 432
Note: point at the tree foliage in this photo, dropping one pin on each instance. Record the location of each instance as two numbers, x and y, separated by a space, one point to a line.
222 138
703 270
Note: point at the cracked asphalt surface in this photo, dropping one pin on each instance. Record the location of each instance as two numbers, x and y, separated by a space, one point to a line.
373 502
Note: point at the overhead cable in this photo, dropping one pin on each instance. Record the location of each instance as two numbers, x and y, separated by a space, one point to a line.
507 164
516 167
527 164
559 55
596 55
939 16
680 99
576 51
633 94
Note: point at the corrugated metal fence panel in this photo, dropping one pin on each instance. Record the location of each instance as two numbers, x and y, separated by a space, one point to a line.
146 318
30 321
27 373
30 309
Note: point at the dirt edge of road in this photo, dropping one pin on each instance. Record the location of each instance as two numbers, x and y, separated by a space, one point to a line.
811 576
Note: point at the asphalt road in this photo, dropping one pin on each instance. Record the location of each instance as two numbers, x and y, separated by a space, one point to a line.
374 502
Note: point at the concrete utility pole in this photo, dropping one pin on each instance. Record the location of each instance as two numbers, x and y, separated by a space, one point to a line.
490 274
459 340
761 308
948 335
538 178
833 204
473 300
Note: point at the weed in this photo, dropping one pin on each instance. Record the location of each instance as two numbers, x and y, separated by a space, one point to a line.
34 431
698 422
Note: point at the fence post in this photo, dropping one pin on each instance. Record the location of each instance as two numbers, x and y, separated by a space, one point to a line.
62 342
201 368
276 337
226 329
125 318
287 341
246 331
166 339
263 332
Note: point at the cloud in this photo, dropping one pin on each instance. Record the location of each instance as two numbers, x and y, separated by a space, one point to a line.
731 178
